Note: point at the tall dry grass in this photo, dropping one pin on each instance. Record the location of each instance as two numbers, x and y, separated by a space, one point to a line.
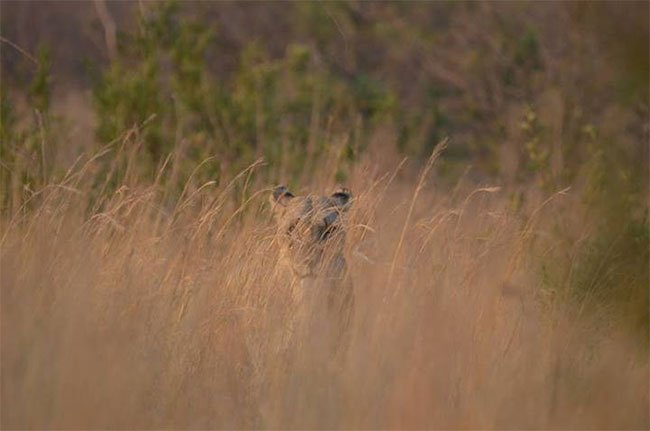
121 310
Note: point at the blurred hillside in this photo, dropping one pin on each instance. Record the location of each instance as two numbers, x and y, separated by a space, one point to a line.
469 70
401 44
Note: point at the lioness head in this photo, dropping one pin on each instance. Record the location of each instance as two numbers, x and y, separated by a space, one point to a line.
310 231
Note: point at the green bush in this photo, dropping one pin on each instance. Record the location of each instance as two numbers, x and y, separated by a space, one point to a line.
271 108
27 142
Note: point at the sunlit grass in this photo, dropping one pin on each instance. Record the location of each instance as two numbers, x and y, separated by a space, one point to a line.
123 310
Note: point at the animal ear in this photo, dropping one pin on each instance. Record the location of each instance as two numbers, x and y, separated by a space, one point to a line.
342 198
280 196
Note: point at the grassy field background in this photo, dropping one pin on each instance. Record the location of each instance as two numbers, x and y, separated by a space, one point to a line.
498 238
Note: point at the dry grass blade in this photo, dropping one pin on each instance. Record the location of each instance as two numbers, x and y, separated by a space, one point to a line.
421 181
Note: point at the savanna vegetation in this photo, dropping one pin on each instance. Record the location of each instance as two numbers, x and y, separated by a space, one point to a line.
498 239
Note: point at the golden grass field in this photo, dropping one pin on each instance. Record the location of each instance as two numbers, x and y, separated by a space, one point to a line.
121 311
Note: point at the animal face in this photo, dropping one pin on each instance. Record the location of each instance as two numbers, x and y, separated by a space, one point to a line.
310 231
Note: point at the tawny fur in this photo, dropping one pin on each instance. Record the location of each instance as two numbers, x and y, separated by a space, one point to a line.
311 237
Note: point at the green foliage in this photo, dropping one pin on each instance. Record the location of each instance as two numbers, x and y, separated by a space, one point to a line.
39 89
129 92
270 108
537 150
607 274
25 144
611 274
7 153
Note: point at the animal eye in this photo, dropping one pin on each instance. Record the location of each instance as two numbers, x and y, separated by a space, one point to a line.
291 228
327 232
